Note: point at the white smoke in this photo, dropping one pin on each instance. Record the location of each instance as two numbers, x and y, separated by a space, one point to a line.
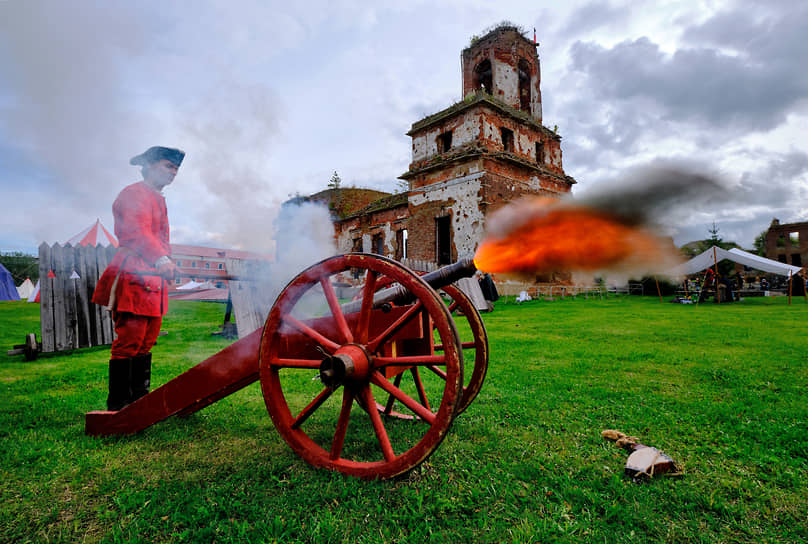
304 236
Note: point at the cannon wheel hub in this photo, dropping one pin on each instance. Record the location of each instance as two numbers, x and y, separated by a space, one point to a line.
349 363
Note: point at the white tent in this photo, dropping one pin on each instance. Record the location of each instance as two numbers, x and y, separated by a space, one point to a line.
25 289
34 296
196 285
716 254
190 285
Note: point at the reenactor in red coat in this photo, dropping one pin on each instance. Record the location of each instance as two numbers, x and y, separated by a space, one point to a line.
134 285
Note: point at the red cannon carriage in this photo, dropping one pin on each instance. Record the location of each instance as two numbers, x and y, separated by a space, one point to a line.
367 387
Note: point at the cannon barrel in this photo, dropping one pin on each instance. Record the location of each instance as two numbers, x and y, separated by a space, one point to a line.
436 279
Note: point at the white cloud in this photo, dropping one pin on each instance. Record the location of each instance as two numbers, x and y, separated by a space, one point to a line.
269 98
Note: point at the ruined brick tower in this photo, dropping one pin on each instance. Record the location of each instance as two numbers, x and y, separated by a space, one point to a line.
469 159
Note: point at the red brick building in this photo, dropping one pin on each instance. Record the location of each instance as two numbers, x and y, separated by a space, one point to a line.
467 160
205 263
787 242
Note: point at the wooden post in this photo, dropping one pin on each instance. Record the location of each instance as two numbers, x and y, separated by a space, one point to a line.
70 296
789 287
657 289
83 302
59 307
45 298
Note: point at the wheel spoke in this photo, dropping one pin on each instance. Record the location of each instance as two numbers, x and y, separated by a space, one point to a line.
311 408
388 408
336 310
363 326
311 333
378 425
280 362
374 344
377 379
453 307
437 371
419 386
414 360
342 424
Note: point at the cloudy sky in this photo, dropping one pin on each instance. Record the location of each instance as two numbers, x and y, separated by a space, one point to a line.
269 98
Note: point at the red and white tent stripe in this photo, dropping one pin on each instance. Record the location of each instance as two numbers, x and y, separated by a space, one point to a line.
94 235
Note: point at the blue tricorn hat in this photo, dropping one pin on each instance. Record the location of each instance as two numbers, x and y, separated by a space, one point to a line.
157 153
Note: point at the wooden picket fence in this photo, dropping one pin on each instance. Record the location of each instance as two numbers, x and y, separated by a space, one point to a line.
67 279
419 265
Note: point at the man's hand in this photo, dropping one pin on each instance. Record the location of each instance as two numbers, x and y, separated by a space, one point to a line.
168 271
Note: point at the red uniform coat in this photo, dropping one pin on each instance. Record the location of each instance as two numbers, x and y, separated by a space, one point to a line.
130 283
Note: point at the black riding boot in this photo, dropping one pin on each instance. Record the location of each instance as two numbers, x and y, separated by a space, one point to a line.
119 390
141 376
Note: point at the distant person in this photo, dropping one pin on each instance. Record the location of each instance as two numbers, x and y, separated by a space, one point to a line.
488 288
709 280
724 286
764 284
798 285
134 284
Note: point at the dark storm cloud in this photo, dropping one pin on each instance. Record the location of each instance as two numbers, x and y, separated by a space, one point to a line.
656 192
748 203
773 184
771 32
739 71
702 86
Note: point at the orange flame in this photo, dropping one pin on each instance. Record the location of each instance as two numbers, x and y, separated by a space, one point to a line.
543 236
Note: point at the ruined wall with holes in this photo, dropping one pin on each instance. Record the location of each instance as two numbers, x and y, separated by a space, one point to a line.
504 50
365 227
787 243
525 138
525 179
479 129
458 198
465 130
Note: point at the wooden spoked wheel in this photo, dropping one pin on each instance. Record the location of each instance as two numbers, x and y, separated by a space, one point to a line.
320 362
474 342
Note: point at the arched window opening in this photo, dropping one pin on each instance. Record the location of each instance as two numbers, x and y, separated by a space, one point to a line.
483 78
524 85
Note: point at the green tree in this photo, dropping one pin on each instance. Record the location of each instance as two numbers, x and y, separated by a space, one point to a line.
335 205
335 182
760 243
715 239
21 265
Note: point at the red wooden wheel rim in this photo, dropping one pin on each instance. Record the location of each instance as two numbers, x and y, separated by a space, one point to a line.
474 381
272 364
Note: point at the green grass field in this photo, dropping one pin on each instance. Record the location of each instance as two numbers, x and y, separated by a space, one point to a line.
720 388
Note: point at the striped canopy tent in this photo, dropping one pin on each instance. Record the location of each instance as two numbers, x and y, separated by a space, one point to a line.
94 235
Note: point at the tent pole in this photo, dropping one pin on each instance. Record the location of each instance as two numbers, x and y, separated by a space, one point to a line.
717 290
789 287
